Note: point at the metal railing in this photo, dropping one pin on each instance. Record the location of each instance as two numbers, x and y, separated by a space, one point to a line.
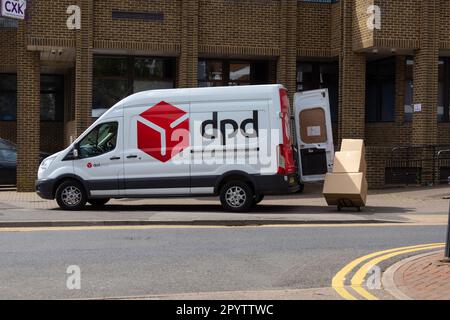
418 164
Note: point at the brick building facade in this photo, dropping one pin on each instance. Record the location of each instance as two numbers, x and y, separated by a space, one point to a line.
59 78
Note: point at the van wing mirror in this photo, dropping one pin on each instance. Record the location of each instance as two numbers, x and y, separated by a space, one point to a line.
75 152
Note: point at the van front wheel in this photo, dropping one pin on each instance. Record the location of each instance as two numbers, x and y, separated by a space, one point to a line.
71 195
236 196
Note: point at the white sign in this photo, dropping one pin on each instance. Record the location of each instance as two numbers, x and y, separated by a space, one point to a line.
313 131
13 9
418 107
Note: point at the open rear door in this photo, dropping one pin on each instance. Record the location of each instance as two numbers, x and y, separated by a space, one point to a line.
314 134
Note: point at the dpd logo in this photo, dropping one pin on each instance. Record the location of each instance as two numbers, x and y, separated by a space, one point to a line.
163 131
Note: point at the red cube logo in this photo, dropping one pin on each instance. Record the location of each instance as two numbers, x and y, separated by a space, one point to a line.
163 131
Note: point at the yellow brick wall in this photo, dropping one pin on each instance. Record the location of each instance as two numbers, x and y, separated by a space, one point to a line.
122 30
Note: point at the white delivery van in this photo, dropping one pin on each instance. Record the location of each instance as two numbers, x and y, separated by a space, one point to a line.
232 142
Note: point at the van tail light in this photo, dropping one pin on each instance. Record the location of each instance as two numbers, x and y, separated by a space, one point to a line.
286 163
281 160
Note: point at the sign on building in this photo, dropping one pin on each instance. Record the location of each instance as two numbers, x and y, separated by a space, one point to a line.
13 9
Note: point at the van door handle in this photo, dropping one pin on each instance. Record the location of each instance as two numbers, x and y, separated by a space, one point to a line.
131 156
114 158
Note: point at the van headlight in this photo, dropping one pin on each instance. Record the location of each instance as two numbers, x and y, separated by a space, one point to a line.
46 163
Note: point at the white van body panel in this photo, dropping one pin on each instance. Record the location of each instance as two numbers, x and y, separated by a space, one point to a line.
316 154
208 123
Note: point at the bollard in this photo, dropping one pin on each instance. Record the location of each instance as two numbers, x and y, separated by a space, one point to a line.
447 243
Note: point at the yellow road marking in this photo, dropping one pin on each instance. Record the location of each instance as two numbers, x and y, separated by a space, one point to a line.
358 278
147 227
338 281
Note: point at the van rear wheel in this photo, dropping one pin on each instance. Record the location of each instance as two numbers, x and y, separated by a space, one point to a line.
71 195
236 196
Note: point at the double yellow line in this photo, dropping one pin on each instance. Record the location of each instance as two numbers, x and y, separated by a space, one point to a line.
373 259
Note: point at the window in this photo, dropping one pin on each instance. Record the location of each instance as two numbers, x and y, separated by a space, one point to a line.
52 97
380 91
102 139
212 73
409 86
443 114
320 75
8 23
8 97
116 77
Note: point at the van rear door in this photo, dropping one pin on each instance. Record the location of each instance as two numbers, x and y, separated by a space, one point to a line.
314 134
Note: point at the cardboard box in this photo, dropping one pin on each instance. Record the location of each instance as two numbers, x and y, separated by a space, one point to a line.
353 145
350 188
349 162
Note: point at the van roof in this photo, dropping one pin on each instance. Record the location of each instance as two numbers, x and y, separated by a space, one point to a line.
199 94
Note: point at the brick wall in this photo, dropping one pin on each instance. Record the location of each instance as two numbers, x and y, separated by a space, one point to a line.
139 35
8 49
362 35
46 24
230 25
28 113
314 29
281 30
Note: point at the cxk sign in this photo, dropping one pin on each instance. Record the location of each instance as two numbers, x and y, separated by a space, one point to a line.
13 9
163 131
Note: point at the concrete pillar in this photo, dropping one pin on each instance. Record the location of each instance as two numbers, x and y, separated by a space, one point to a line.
28 113
287 61
188 61
424 130
352 78
84 68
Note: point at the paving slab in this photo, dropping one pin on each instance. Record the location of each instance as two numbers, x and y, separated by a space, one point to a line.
402 205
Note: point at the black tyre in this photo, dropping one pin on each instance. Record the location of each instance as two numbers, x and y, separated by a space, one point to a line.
98 202
236 196
71 195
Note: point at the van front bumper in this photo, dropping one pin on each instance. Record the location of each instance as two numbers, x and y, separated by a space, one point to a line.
277 184
44 188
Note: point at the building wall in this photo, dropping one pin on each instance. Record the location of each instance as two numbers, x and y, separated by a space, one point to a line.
281 30
137 34
8 49
314 17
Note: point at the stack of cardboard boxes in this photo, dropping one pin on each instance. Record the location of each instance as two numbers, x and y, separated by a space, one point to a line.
347 185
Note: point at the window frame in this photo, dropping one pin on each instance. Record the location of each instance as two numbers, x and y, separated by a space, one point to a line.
10 91
96 128
130 75
446 84
380 79
59 96
315 83
226 63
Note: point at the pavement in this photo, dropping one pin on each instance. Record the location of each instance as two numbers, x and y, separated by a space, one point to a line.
424 205
421 277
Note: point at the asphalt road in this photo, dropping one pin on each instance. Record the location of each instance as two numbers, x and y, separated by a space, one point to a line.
179 260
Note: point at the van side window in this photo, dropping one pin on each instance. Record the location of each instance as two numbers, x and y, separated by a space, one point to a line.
102 139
